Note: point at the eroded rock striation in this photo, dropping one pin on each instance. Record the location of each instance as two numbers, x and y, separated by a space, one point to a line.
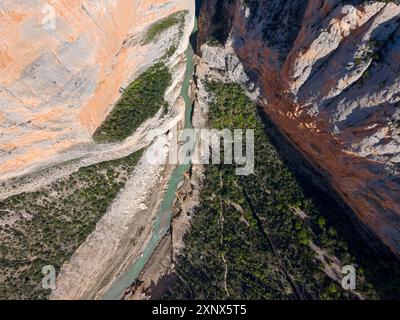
62 64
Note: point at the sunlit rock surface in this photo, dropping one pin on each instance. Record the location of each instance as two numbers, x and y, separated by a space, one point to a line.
58 84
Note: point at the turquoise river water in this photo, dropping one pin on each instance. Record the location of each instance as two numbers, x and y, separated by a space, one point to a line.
164 215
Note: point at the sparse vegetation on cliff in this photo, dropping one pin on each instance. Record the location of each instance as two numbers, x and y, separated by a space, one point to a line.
45 227
140 101
156 29
211 41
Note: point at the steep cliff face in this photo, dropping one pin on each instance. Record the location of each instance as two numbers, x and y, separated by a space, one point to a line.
329 76
62 64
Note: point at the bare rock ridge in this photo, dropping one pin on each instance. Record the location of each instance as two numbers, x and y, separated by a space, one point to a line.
328 72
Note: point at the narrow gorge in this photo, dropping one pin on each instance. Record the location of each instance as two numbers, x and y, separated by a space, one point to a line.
85 104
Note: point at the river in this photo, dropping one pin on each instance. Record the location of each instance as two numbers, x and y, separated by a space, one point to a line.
164 216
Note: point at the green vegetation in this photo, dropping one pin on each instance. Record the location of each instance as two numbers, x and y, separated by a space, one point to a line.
140 101
372 54
156 29
213 42
261 228
45 227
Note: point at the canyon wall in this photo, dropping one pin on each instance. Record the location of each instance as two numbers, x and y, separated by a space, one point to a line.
328 71
62 64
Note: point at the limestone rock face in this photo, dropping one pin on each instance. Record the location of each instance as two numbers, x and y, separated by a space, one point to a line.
220 59
62 64
328 71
